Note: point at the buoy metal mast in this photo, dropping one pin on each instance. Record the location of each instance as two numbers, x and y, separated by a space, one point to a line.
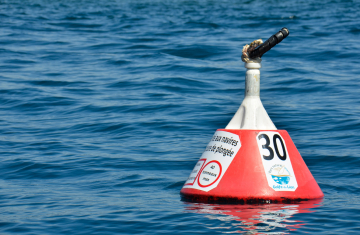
250 161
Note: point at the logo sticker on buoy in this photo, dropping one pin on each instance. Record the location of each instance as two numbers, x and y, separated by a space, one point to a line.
276 161
214 162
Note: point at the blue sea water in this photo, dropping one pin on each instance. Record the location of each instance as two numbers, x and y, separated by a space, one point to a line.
106 106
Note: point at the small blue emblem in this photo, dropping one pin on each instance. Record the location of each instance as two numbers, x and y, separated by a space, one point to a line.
280 174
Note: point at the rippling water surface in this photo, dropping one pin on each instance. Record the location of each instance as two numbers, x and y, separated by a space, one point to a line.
106 106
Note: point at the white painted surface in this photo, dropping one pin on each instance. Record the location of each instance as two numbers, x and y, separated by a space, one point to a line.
214 162
251 115
276 161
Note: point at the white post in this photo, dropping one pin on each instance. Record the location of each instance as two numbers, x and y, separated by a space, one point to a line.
251 115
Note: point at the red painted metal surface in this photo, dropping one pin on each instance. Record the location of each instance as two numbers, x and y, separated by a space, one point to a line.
245 180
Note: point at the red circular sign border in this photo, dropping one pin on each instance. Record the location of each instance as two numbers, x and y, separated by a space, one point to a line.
215 179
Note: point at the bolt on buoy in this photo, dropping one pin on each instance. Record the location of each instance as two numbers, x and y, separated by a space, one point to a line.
250 161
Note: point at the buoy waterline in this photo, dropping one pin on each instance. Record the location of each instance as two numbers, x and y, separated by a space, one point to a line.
250 161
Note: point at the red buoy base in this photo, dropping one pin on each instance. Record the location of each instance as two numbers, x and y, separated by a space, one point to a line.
250 166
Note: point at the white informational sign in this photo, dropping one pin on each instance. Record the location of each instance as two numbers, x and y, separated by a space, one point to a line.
214 162
276 161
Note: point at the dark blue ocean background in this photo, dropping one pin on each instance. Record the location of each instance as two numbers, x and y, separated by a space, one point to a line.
106 106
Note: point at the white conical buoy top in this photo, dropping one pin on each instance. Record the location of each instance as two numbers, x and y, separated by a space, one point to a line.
251 115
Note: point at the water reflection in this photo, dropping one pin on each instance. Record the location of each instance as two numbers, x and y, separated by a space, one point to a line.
255 219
